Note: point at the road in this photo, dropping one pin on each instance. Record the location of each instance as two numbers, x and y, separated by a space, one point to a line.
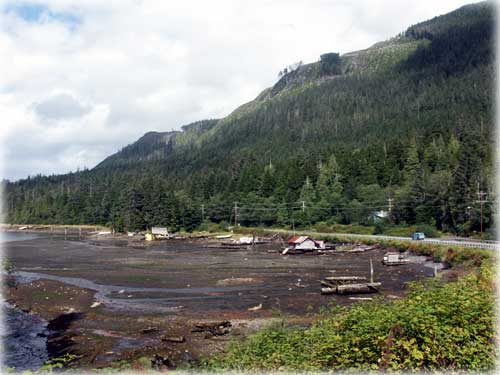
443 241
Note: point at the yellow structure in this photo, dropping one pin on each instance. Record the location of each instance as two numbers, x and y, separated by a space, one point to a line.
150 237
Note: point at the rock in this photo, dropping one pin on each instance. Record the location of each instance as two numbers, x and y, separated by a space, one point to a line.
159 363
121 291
95 304
214 329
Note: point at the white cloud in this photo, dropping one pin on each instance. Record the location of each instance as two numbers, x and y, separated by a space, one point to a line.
60 106
81 79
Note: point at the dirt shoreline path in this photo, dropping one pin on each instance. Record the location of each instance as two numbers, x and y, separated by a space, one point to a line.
118 299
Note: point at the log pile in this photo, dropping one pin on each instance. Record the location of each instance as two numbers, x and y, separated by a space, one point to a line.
349 284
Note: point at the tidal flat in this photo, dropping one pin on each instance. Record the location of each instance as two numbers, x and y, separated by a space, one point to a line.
115 299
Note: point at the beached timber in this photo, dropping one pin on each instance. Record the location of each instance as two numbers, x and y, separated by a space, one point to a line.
349 284
352 288
344 278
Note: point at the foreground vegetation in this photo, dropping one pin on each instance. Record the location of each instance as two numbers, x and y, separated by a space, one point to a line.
438 326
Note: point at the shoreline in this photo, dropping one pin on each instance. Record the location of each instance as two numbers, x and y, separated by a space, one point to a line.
250 288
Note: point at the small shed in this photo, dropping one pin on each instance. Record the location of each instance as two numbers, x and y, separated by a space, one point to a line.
246 240
159 231
302 243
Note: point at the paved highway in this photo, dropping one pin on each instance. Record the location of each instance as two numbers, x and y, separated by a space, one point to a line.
464 242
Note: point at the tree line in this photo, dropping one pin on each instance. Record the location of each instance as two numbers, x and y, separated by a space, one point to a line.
415 138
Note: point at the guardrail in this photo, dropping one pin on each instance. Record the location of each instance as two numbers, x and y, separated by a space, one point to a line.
464 243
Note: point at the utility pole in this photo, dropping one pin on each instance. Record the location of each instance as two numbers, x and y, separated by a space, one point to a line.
371 271
303 206
390 200
235 214
481 195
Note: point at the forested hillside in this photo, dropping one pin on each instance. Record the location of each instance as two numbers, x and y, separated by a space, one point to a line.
409 119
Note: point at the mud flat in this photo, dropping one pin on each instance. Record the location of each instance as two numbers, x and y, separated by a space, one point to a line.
115 299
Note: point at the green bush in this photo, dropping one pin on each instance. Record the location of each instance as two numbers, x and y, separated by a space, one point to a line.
438 326
322 227
379 228
403 231
428 230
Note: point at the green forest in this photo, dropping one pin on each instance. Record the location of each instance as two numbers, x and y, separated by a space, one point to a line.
397 134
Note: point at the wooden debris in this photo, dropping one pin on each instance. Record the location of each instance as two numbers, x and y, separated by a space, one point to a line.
394 259
149 330
328 290
351 288
238 281
255 308
349 284
358 288
214 328
176 339
344 278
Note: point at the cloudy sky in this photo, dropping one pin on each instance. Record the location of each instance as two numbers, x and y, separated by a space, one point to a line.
80 79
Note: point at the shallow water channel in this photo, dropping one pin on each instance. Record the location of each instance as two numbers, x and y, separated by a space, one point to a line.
114 296
23 335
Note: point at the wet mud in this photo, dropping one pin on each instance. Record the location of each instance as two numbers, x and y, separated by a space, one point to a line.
103 294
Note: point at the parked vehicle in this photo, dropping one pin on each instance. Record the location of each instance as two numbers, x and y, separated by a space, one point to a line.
418 236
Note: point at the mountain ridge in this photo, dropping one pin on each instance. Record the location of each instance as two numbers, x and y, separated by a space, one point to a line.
379 56
398 119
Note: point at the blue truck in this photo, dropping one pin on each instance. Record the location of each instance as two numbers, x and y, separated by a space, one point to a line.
418 236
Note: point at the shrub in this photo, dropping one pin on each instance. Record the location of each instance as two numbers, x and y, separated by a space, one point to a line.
429 230
379 228
446 327
322 227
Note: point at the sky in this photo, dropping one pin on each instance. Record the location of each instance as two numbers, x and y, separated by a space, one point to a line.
80 79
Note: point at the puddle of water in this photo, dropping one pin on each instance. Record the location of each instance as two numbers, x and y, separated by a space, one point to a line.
23 335
17 236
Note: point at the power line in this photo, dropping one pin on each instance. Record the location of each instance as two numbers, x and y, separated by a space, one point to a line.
235 214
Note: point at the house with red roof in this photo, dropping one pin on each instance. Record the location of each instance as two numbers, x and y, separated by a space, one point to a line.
305 243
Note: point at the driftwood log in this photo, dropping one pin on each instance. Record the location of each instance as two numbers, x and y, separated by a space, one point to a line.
351 288
177 339
345 278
